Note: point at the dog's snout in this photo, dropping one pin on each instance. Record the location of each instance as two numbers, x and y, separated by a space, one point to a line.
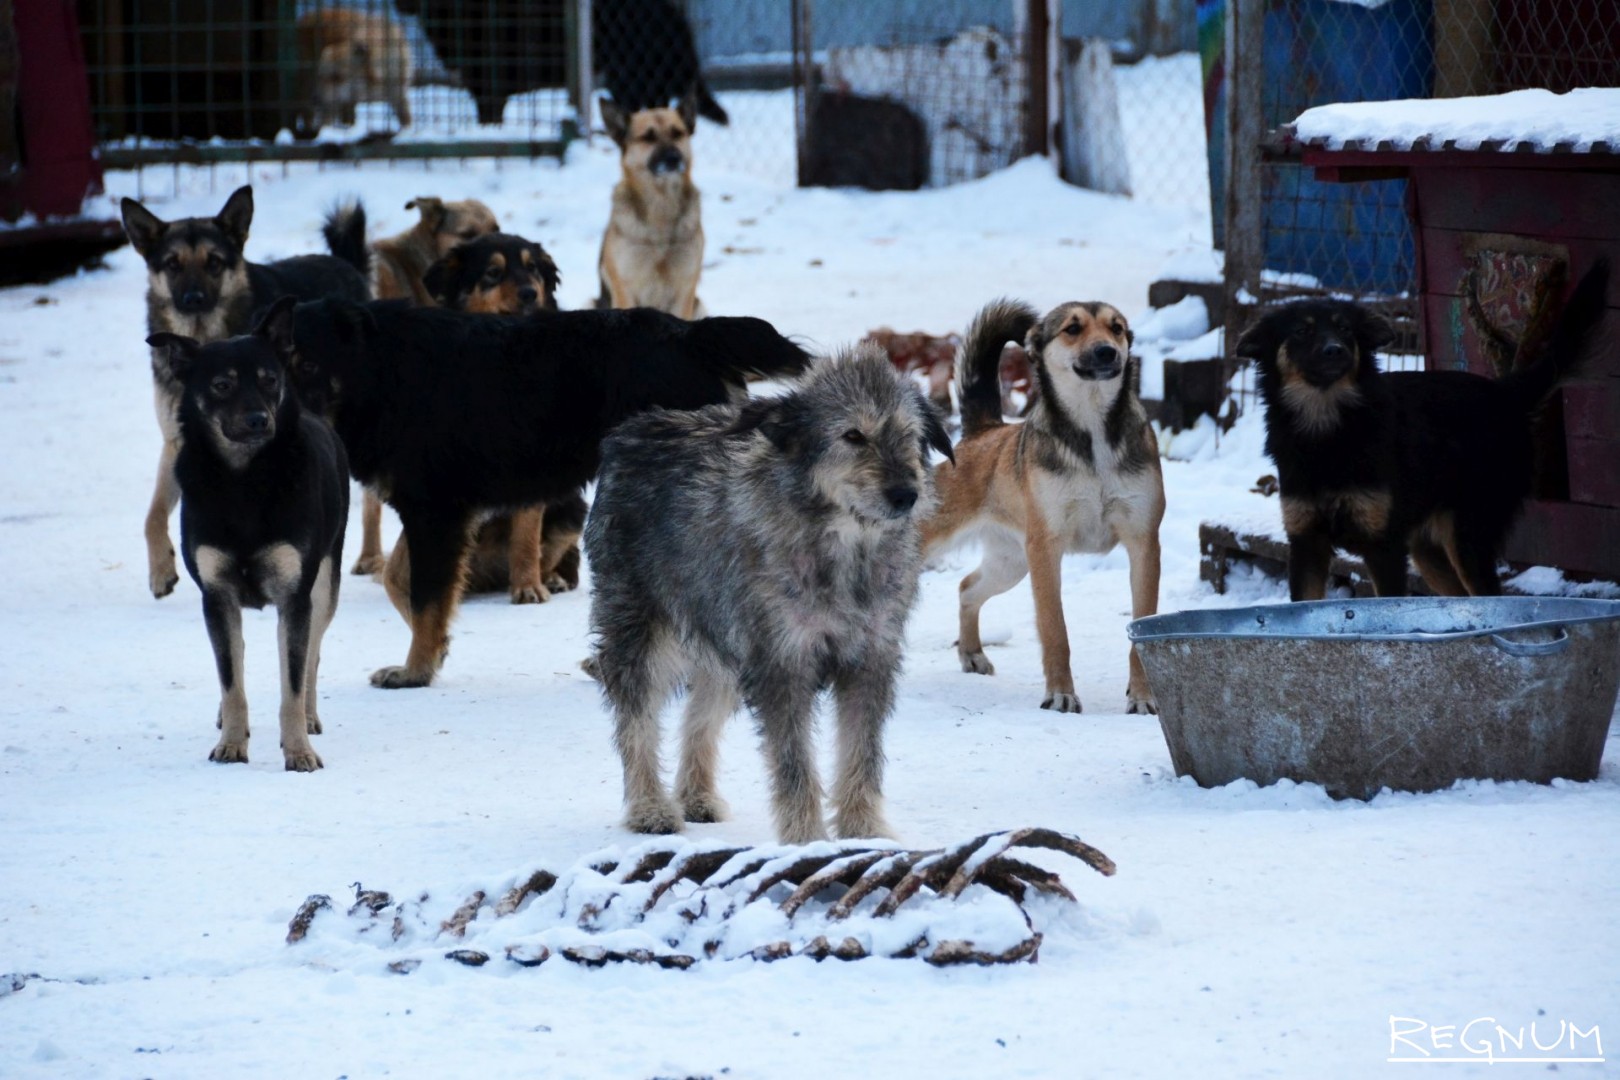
1334 352
528 295
192 300
901 498
667 160
1105 354
257 421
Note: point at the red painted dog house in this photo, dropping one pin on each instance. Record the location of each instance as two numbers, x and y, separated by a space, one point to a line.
1497 227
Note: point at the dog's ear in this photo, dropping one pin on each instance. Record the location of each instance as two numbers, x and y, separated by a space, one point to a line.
1259 342
432 210
1373 331
141 226
179 352
933 434
688 109
237 215
276 326
439 277
784 421
616 120
548 273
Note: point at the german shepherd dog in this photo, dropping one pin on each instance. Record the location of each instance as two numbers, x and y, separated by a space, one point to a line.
345 57
528 418
1081 473
652 252
1436 463
818 495
400 264
264 497
533 552
199 285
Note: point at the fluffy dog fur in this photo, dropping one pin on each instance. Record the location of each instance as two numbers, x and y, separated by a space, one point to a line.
347 57
652 252
533 552
446 441
1081 473
817 496
201 286
263 502
1437 464
400 265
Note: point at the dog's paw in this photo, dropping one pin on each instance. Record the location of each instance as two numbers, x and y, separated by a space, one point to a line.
1140 704
863 827
557 583
704 808
976 663
660 818
369 564
229 753
592 667
1061 702
303 761
530 594
399 678
164 577
312 721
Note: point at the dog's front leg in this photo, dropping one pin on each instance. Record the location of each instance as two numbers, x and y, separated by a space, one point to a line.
222 613
1310 556
437 545
162 576
865 696
1045 555
1144 553
295 615
640 669
523 557
786 718
371 558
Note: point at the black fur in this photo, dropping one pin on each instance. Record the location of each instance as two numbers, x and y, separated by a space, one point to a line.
1449 452
646 57
978 368
345 232
448 414
256 472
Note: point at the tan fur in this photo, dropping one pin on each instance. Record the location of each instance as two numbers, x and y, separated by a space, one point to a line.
1315 410
352 56
1366 511
430 633
1030 499
652 252
398 264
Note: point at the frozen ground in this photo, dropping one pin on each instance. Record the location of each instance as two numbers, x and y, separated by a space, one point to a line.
1248 932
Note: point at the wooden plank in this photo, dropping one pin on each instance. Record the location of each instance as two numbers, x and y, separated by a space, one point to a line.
1592 408
1546 203
1594 469
1601 158
1245 236
1575 537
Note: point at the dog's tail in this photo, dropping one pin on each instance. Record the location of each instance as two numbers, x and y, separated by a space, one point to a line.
978 363
345 232
1570 342
734 346
710 108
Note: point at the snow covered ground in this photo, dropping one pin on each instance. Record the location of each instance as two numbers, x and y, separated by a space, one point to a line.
1248 932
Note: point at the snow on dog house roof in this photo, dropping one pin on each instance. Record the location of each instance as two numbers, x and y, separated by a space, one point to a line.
1584 121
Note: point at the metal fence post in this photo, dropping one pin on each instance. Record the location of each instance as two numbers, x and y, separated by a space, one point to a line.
1245 237
583 84
804 82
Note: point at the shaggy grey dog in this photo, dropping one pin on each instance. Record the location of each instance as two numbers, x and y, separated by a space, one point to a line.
762 554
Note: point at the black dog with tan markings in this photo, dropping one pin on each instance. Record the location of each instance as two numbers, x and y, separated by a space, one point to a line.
264 498
1433 463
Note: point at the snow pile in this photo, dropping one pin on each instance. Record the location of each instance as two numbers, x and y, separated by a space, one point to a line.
1539 118
673 902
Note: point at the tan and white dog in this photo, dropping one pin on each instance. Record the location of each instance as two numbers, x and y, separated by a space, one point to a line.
1081 473
652 252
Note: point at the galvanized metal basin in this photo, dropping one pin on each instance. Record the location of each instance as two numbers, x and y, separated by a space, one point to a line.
1410 693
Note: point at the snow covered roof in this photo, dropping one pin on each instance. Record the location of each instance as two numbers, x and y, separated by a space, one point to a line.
1585 121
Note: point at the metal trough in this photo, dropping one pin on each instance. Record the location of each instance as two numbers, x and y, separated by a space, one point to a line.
1410 693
